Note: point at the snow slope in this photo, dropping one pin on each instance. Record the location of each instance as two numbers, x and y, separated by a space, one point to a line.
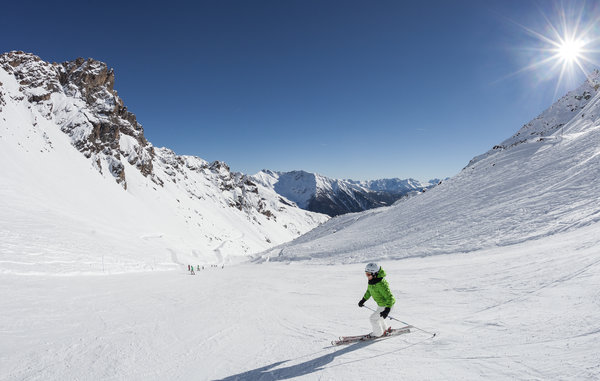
522 312
540 182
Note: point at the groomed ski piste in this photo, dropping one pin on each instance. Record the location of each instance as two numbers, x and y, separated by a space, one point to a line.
502 262
525 312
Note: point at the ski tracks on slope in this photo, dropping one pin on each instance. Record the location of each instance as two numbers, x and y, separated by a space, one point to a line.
527 294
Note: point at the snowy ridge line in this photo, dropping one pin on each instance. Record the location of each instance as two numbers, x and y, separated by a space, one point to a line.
333 197
551 123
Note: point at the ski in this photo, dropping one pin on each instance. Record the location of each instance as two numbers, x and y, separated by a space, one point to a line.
343 340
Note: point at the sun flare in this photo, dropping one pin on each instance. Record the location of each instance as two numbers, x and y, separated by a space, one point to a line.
563 45
570 50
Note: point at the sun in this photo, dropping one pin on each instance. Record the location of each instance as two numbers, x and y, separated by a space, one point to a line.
564 45
570 51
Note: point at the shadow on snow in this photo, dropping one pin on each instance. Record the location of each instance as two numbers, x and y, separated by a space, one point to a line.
266 373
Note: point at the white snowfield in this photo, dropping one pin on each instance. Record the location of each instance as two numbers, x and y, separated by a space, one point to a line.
502 262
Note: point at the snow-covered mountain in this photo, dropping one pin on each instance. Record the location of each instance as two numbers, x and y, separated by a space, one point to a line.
396 185
333 197
541 181
76 170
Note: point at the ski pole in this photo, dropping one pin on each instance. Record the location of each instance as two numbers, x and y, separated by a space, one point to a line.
433 334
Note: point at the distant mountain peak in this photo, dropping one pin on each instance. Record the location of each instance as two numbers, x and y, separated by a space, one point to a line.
333 197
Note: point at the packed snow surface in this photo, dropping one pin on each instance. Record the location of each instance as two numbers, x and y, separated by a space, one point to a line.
523 312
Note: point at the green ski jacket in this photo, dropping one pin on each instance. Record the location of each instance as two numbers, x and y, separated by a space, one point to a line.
379 289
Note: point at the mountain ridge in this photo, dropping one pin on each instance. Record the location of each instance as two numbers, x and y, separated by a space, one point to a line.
317 193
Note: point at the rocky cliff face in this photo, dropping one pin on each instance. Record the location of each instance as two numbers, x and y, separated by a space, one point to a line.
80 96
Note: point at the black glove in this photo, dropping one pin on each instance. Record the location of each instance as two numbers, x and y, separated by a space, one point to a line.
385 312
362 302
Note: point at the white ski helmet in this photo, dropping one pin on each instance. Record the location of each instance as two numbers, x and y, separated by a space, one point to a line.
372 268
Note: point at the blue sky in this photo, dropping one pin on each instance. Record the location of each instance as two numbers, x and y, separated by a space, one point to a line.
348 89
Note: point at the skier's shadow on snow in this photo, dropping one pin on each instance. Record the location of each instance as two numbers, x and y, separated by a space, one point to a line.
267 373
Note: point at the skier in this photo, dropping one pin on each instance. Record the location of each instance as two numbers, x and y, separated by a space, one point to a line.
379 289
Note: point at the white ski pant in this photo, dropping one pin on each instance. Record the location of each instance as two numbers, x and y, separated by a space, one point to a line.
378 323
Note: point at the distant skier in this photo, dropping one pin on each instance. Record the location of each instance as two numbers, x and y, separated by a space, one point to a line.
379 289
